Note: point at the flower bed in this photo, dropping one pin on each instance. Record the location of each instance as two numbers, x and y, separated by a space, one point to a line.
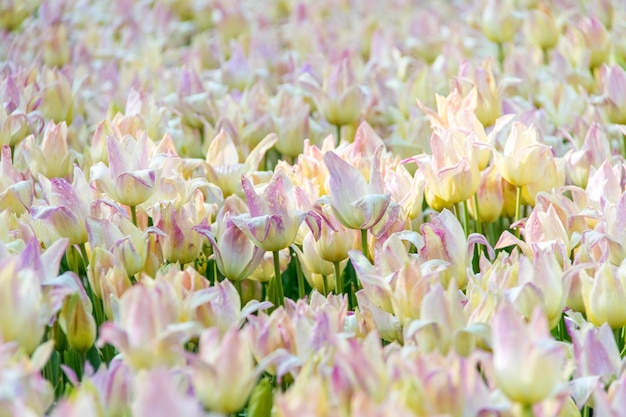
312 208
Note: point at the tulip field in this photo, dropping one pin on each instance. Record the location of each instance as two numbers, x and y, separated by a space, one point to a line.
303 208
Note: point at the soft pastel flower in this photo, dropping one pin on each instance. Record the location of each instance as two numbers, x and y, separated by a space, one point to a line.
356 203
274 219
128 179
224 166
223 372
527 361
524 158
146 329
236 255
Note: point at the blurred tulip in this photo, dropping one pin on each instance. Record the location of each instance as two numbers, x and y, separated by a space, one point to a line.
527 361
604 295
223 373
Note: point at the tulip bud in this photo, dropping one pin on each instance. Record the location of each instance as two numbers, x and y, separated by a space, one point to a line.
261 400
78 323
57 98
604 296
498 21
541 28
56 51
490 196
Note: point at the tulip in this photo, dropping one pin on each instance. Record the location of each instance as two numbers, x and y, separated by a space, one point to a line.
273 221
162 392
57 99
451 173
498 20
613 80
128 179
225 170
16 191
527 361
53 158
604 295
147 331
541 28
180 242
524 158
67 210
356 203
223 373
122 238
489 196
78 323
25 392
236 255
339 99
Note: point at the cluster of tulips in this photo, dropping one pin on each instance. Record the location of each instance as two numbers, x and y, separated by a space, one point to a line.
312 208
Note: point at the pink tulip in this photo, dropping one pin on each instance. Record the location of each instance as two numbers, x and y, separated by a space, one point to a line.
129 179
356 203
236 255
67 210
274 219
613 80
53 158
160 393
16 190
147 331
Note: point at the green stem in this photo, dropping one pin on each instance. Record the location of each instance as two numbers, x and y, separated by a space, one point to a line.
338 133
239 289
619 340
527 410
364 247
82 358
465 218
280 298
479 225
518 209
624 139
133 214
325 284
338 278
501 54
299 275
546 56
83 253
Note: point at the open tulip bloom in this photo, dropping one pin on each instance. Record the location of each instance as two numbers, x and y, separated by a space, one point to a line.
272 208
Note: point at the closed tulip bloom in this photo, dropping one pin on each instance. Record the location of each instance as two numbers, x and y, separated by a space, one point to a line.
451 173
490 195
527 361
180 242
498 20
604 295
78 323
613 81
524 158
223 373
